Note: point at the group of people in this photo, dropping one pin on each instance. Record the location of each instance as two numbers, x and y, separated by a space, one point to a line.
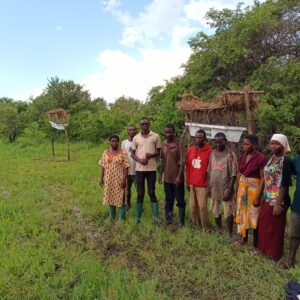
252 192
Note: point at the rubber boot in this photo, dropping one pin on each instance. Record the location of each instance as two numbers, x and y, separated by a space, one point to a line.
122 213
154 207
112 212
182 216
168 216
219 223
138 212
230 222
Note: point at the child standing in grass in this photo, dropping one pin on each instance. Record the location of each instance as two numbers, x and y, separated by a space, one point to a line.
114 170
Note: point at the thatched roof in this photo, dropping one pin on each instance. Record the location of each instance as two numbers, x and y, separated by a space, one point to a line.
226 100
58 115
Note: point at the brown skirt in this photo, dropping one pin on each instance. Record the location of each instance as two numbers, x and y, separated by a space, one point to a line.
271 232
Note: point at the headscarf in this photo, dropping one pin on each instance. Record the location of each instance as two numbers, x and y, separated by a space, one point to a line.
282 139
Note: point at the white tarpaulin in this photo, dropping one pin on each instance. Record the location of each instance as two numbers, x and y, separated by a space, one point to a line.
232 133
58 126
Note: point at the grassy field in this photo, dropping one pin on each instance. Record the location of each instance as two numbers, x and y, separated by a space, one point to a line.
57 244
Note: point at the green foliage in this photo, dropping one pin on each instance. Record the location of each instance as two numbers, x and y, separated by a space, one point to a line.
10 125
32 136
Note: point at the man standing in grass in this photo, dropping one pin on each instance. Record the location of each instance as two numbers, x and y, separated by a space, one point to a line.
173 160
145 149
196 179
127 147
222 171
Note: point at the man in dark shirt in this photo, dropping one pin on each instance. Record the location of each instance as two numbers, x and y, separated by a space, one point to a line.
172 156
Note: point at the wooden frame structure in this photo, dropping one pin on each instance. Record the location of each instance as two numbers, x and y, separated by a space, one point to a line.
230 108
58 119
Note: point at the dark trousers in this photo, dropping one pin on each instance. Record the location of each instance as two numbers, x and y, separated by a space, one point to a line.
141 177
172 192
130 181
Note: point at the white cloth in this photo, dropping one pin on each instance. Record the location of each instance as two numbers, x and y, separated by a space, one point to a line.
282 139
127 147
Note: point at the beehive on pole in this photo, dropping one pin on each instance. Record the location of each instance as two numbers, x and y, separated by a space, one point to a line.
59 120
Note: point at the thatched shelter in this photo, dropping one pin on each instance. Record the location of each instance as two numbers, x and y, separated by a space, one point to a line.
230 108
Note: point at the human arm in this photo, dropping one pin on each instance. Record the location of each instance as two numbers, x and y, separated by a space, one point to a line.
157 149
257 200
101 177
285 183
125 174
142 161
229 191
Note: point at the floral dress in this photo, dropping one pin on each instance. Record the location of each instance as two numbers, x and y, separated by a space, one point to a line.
114 165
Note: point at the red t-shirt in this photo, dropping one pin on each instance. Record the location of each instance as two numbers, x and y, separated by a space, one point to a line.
196 165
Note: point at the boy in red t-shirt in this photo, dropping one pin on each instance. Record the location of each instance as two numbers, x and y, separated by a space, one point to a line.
197 160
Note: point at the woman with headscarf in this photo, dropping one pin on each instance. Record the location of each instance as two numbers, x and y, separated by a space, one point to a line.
276 199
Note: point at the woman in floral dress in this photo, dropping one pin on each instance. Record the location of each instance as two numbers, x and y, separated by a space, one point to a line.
272 219
114 169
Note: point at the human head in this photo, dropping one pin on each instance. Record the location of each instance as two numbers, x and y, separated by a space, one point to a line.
145 124
279 144
282 140
250 143
169 131
114 141
220 141
131 130
200 137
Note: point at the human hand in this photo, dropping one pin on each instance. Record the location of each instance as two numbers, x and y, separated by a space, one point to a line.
178 180
123 183
277 210
226 196
143 161
148 156
160 179
256 202
101 181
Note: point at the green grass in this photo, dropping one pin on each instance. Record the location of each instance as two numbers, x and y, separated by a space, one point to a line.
55 242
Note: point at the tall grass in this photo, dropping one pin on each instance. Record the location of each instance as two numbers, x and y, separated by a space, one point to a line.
57 244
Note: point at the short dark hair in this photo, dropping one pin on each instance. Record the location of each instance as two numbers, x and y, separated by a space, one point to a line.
252 138
114 136
201 131
169 125
144 118
131 126
221 135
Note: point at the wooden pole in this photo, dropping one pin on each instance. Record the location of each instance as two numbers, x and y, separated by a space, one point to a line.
52 142
68 143
248 110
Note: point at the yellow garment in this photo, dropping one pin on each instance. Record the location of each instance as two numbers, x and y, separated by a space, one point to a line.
246 213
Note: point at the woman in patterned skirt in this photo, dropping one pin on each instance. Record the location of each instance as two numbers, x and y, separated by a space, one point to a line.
250 189
114 169
272 219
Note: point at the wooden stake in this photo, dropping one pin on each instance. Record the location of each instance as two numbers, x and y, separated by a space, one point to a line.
248 110
68 143
52 141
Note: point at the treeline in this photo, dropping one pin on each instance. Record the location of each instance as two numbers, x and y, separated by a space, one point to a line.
257 46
